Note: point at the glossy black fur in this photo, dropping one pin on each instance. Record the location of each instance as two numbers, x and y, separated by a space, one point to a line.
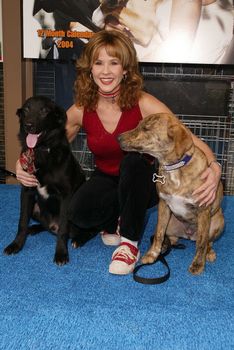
57 170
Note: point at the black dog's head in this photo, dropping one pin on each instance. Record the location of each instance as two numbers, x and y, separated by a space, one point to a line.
39 116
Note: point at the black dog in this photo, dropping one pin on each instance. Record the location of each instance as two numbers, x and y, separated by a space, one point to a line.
46 153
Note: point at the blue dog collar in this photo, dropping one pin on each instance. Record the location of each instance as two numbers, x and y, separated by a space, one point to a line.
179 164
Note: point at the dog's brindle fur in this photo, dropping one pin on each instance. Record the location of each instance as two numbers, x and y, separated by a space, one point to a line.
164 137
57 171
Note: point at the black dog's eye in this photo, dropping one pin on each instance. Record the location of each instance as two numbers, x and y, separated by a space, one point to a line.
26 109
44 110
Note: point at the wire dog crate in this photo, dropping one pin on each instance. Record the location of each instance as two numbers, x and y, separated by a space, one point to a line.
82 153
216 132
203 98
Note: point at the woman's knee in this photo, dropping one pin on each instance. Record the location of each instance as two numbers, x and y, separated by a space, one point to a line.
135 164
91 207
78 210
136 180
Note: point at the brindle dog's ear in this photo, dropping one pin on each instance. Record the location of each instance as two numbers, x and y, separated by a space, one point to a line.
182 138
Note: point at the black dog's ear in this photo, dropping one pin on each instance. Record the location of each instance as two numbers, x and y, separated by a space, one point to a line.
60 115
19 112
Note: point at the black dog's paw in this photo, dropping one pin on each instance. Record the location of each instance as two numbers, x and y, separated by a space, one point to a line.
12 248
61 258
78 240
75 243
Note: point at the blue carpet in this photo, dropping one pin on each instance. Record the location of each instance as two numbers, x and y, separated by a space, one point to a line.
82 306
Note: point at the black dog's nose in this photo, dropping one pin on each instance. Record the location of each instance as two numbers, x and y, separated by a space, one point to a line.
29 128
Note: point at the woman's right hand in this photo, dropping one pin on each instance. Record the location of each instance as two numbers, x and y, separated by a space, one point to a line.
25 178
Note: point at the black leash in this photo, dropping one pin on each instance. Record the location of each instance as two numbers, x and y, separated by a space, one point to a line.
7 172
161 258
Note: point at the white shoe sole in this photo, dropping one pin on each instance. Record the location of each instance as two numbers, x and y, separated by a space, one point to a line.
110 239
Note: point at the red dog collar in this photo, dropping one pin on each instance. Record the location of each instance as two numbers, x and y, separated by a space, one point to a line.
27 161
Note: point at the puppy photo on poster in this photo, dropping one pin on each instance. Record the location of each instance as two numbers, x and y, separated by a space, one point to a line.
164 31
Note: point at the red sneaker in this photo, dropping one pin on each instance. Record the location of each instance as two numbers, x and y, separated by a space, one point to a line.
124 259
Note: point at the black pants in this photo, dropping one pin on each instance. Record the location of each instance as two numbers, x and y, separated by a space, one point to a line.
100 201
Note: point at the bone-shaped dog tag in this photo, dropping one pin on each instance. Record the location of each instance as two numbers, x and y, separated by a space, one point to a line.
159 178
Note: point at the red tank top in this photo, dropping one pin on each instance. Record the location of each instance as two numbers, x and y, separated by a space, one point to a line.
104 145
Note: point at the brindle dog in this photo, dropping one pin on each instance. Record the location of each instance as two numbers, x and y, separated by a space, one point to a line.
181 164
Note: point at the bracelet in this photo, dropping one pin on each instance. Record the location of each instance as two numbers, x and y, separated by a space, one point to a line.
215 161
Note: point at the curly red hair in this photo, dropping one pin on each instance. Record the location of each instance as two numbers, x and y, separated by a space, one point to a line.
117 45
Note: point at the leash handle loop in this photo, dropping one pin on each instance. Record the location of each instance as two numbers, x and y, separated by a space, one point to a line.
156 280
162 260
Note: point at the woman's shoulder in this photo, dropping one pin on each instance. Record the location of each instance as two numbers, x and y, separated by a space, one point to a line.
74 121
149 104
75 115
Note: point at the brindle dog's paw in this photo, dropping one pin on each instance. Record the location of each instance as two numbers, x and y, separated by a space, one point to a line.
61 258
211 255
196 268
12 248
149 258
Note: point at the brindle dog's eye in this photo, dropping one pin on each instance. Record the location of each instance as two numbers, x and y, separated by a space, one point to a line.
145 128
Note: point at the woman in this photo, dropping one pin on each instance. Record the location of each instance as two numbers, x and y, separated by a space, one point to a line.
108 101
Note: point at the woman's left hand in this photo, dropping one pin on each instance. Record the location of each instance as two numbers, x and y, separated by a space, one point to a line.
205 194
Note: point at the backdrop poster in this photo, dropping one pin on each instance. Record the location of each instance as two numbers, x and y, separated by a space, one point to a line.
1 45
168 31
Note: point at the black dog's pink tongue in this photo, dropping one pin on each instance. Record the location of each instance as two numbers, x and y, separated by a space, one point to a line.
31 140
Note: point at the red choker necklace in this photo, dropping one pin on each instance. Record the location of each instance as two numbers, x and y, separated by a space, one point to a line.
111 95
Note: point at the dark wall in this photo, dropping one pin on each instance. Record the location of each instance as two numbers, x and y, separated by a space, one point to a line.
197 96
193 90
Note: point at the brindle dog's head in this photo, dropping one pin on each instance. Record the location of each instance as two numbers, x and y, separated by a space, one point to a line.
161 135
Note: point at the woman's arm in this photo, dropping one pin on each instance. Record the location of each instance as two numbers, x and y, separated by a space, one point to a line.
149 105
205 194
26 179
74 121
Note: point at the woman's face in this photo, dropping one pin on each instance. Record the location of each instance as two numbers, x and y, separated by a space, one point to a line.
107 72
